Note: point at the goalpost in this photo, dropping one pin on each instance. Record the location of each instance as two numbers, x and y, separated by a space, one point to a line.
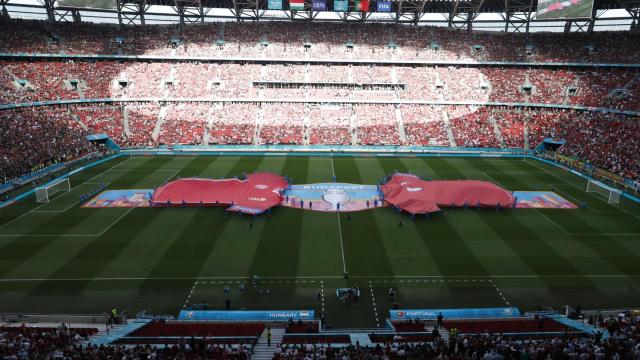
44 193
611 194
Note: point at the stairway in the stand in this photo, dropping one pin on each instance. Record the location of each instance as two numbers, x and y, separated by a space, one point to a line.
447 128
352 124
497 131
207 129
400 124
264 352
258 122
77 118
527 120
161 117
306 126
125 121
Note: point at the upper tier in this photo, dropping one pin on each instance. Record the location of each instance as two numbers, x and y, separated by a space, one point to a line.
317 41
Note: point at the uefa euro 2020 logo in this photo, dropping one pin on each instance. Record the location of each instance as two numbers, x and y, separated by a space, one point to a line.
335 197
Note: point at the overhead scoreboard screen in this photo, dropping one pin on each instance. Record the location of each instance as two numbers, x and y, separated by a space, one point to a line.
564 9
88 4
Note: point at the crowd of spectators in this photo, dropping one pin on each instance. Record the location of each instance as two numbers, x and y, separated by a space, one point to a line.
472 126
33 138
282 124
623 343
605 140
424 125
608 141
376 124
330 125
64 342
40 343
323 40
184 124
141 120
40 81
233 124
102 120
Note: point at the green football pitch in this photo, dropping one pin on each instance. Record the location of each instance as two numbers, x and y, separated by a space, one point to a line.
60 258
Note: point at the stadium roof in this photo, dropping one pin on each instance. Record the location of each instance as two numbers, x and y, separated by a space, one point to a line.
489 15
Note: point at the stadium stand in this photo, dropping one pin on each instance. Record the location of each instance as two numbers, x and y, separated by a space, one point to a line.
610 139
327 41
32 140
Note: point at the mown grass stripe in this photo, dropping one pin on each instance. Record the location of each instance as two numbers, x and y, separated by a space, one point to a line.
197 235
21 249
524 241
406 249
442 239
362 235
278 251
100 251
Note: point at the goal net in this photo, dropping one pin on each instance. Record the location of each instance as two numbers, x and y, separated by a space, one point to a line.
611 194
44 193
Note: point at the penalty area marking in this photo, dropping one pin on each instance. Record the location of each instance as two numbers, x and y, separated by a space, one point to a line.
70 206
434 281
193 288
74 235
75 187
373 301
583 190
504 298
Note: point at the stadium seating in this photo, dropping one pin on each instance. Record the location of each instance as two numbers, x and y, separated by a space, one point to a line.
522 325
272 39
606 141
32 139
176 328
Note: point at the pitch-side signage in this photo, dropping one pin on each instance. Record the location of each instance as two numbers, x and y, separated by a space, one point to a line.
431 314
236 315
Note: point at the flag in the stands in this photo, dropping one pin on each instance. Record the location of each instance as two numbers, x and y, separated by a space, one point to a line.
297 5
362 5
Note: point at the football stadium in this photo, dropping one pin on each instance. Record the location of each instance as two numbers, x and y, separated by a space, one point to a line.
319 179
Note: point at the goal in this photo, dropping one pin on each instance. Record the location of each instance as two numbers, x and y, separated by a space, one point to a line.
44 193
611 194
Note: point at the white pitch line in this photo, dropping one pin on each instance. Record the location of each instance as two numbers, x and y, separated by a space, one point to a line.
577 187
193 288
631 234
322 294
87 181
70 206
174 173
199 279
553 222
493 276
49 235
504 298
373 300
344 263
115 222
492 179
537 210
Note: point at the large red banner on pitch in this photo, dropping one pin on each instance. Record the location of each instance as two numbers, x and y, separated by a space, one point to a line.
414 195
254 195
